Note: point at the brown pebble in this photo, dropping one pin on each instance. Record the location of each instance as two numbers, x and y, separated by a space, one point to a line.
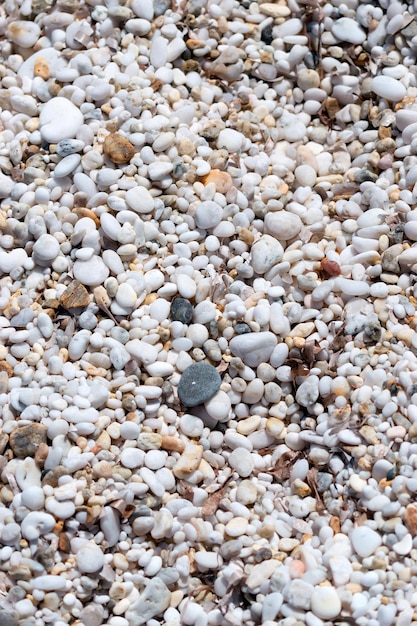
410 518
331 268
172 444
41 68
64 543
51 478
75 296
41 454
6 367
118 148
81 211
25 440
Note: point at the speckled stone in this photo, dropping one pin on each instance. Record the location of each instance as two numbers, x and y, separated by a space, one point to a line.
25 440
181 310
199 382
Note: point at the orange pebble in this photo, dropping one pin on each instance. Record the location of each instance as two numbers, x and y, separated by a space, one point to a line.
41 68
222 180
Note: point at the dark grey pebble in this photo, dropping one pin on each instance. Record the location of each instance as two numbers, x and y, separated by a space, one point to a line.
181 310
198 383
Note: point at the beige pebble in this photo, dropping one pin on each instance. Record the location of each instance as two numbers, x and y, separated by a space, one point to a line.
172 444
249 425
188 461
41 68
300 488
274 10
275 427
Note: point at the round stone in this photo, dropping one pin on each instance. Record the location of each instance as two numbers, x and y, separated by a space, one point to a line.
388 87
266 252
348 29
208 214
241 461
90 559
92 272
45 249
181 310
59 119
365 540
140 200
283 225
325 603
198 383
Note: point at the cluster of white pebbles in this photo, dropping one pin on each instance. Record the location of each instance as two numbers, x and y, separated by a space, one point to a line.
257 160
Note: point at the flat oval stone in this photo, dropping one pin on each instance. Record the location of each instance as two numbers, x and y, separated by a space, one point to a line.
199 382
388 87
347 29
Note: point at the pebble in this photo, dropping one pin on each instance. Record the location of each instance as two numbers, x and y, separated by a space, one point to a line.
90 559
199 382
59 119
118 148
153 601
234 199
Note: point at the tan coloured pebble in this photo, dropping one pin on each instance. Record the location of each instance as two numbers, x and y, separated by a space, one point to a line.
41 68
25 440
222 180
275 427
119 149
300 488
410 518
188 461
274 10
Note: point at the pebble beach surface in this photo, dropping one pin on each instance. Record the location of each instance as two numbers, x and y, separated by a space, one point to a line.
208 348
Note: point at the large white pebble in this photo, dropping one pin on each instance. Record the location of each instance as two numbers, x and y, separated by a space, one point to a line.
283 225
186 286
139 199
365 541
59 119
218 407
388 88
92 272
45 249
208 214
24 33
325 603
230 139
126 295
347 29
266 252
90 558
253 348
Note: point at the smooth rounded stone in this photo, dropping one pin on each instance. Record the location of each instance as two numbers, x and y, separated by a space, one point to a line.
241 460
348 29
325 603
308 392
25 440
45 249
59 119
67 165
92 272
236 527
181 310
365 541
283 225
132 457
33 498
219 406
305 175
253 348
388 88
90 558
266 252
69 146
24 33
199 382
126 296
208 215
403 547
351 287
230 139
140 200
50 583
